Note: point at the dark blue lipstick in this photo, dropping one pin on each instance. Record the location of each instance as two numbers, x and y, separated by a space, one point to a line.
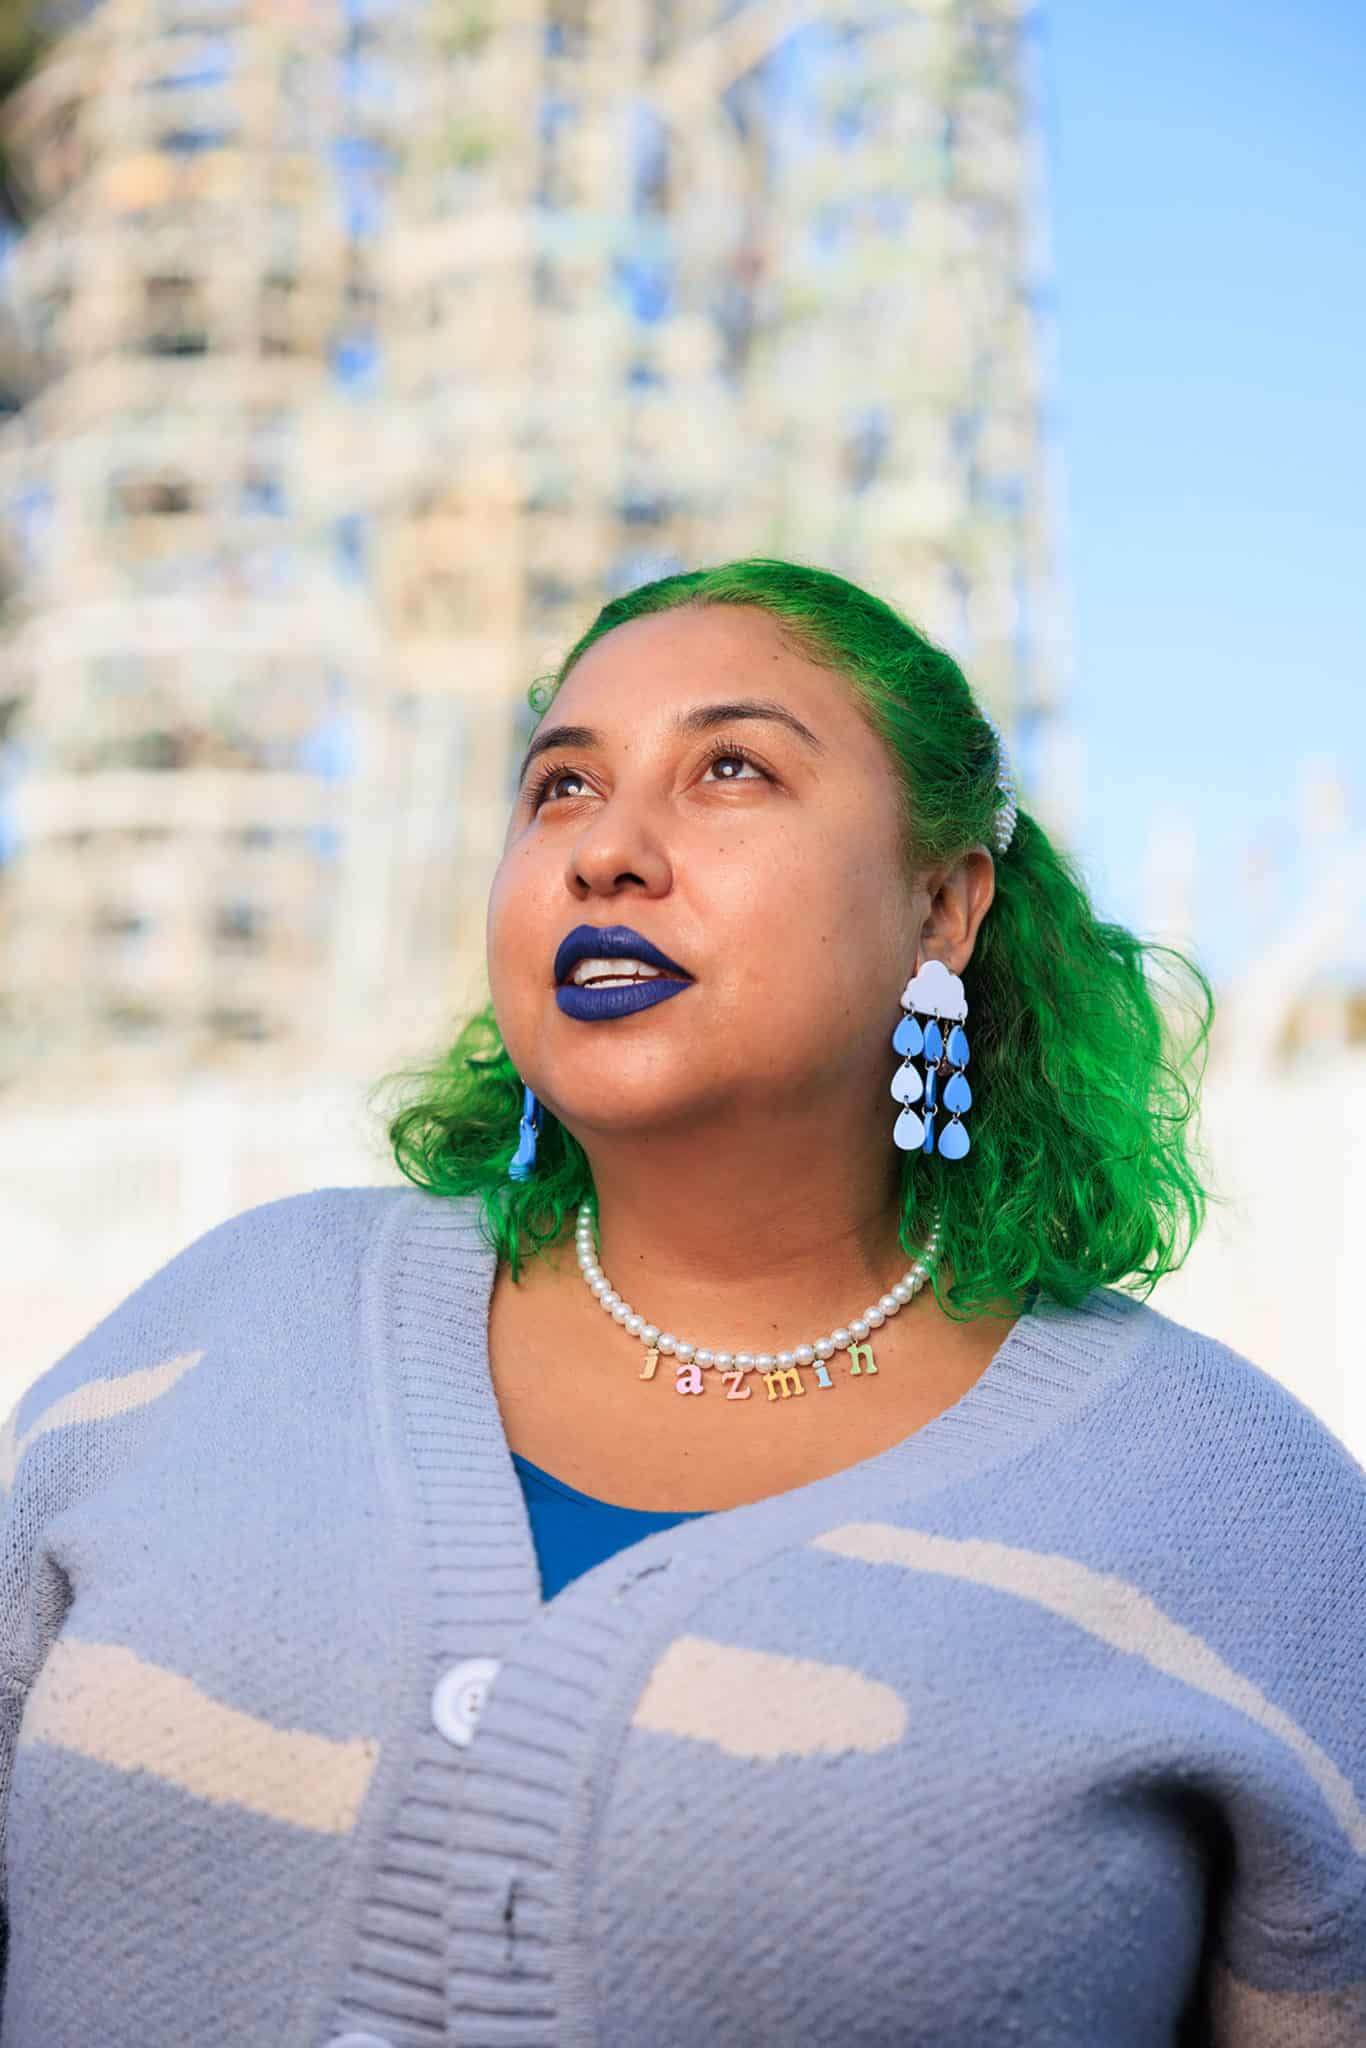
591 1004
614 942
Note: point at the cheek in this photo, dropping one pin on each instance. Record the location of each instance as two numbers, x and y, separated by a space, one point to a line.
513 940
519 881
826 950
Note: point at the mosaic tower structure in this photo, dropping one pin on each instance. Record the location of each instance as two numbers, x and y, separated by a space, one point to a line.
192 669
383 344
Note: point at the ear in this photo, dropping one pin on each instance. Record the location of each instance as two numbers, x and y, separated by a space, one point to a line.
960 900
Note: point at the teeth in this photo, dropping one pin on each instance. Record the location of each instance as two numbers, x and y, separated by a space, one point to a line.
613 973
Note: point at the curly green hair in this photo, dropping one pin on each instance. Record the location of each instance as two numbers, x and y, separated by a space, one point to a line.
1083 1169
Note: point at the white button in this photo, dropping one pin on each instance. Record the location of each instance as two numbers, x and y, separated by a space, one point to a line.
459 1695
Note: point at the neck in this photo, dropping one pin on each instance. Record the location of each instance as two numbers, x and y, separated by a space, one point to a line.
753 1257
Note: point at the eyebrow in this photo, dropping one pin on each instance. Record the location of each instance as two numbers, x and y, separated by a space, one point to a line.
702 718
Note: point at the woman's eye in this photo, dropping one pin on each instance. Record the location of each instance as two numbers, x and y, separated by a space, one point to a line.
558 775
553 777
731 755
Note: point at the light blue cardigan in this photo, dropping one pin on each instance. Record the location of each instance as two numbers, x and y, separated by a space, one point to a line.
1045 1727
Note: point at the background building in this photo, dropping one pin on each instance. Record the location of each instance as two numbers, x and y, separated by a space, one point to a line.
196 708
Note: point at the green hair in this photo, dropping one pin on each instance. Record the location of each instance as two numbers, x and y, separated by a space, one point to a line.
1083 1170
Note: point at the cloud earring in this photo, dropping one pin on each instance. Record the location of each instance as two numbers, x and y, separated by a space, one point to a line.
523 1162
937 994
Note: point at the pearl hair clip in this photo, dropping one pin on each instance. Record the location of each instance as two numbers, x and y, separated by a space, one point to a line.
1005 782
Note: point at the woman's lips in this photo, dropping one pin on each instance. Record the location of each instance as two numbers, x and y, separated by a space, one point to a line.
613 941
594 1005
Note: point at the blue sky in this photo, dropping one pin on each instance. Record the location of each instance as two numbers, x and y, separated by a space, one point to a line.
1208 193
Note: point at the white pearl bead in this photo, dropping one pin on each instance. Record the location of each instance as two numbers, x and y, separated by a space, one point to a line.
904 1290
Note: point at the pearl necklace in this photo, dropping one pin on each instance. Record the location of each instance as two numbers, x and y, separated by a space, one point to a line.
852 1339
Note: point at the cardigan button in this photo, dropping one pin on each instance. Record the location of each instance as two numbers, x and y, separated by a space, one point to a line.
459 1695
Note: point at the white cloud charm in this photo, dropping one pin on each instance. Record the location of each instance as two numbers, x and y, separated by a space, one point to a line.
935 991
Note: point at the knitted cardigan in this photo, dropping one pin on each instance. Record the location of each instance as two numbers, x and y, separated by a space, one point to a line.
1045 1726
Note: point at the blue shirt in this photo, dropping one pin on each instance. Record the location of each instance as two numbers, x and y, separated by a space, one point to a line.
573 1531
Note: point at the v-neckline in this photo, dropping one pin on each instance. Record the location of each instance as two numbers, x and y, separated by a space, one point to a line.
1042 1369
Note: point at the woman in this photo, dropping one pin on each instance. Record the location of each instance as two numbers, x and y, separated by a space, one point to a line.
720 1558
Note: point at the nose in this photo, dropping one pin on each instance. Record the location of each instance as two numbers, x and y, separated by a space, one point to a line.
615 849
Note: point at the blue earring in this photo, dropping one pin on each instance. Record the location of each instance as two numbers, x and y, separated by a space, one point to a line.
938 994
523 1162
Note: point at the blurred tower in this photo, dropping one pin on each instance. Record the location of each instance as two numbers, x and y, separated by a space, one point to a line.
382 343
198 724
673 284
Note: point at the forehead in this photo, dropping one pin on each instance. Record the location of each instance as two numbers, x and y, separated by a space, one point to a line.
672 659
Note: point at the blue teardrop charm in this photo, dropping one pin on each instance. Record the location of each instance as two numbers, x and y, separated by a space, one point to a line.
907 1085
908 1132
958 1046
954 1142
958 1095
934 1041
931 1086
908 1038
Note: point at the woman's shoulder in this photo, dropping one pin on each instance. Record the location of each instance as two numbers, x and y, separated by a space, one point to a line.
158 1332
1197 1399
